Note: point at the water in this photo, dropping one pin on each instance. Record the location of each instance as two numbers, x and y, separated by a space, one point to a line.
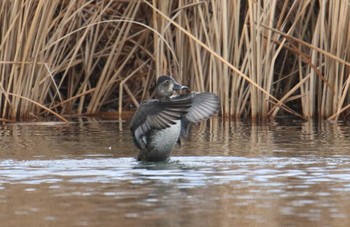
285 173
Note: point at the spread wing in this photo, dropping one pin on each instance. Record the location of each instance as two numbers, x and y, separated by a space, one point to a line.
155 114
203 106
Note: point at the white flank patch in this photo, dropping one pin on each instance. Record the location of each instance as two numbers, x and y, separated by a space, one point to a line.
165 140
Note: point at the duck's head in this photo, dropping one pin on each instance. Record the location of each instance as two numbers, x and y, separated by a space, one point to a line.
165 87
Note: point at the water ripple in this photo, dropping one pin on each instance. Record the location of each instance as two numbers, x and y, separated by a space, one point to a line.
180 171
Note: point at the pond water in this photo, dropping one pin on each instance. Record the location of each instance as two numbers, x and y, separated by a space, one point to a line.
282 173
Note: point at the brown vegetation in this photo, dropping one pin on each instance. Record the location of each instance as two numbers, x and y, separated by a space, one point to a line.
263 58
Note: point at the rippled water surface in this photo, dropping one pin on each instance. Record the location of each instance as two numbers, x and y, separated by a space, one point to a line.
283 173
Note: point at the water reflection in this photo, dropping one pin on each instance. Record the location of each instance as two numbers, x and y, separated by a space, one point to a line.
53 140
225 174
288 137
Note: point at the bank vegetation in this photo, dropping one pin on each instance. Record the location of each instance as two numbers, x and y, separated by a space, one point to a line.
263 58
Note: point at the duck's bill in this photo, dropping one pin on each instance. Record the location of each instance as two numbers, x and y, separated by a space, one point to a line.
180 87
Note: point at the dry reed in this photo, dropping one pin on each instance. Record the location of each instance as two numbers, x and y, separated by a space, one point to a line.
263 58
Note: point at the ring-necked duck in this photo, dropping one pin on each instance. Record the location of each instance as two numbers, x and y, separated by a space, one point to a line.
158 123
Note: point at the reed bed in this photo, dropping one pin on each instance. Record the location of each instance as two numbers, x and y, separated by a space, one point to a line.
263 58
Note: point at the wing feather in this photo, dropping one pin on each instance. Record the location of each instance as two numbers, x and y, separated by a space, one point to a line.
155 114
203 106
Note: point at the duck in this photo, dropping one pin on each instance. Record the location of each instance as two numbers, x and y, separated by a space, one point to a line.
158 124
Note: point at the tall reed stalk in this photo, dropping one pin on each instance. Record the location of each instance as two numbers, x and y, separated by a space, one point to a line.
263 58
274 58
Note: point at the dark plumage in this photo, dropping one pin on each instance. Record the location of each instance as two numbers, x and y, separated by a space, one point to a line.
158 123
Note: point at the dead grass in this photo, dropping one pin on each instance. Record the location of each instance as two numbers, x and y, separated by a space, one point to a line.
263 58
